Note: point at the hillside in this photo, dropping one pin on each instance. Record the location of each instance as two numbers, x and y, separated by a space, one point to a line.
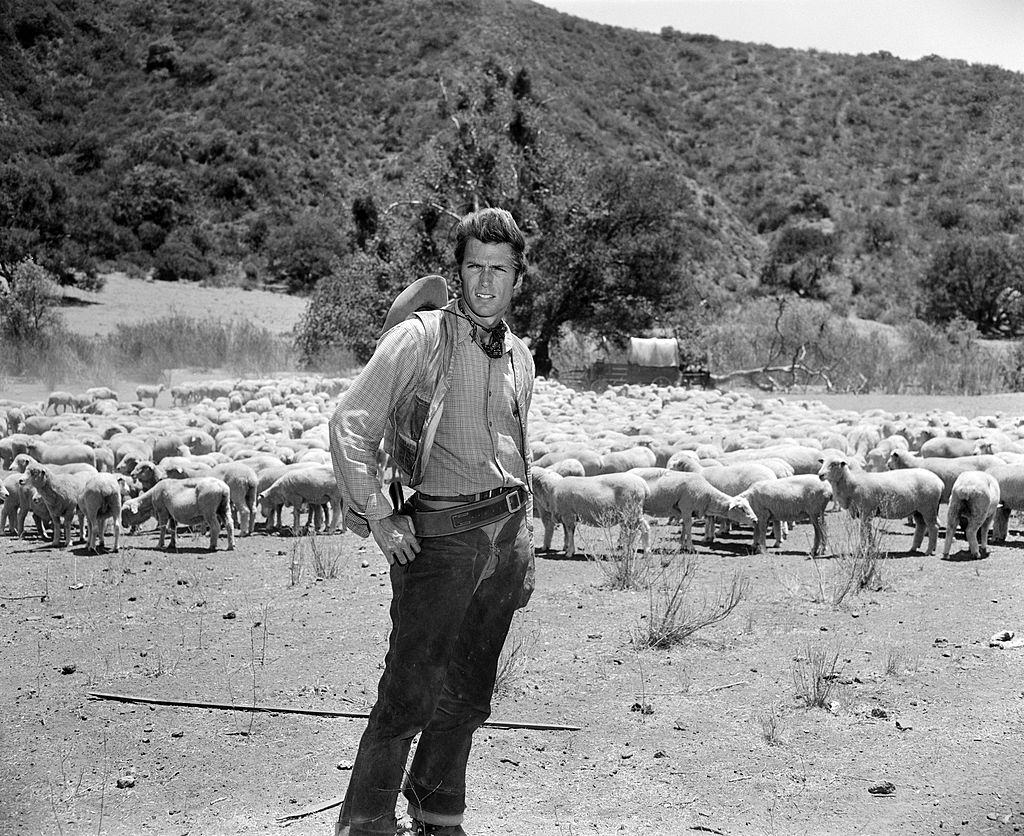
205 129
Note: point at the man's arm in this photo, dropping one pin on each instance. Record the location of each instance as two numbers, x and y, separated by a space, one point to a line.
356 430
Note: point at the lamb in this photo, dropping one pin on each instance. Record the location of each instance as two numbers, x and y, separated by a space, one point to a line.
59 398
60 493
891 495
789 499
603 500
242 482
975 497
184 502
147 391
21 499
947 469
314 485
679 494
100 500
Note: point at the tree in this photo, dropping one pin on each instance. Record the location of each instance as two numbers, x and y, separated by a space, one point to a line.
613 254
28 305
800 259
301 253
980 279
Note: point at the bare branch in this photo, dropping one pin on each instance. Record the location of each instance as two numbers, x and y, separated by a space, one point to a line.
442 209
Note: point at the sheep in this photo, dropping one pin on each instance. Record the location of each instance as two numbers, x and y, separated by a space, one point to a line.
62 453
891 495
242 482
947 447
1010 478
184 467
266 475
604 499
100 500
314 485
184 502
947 469
168 447
591 461
733 479
60 493
147 474
147 391
59 398
569 467
679 494
877 458
975 497
790 498
21 499
101 393
622 460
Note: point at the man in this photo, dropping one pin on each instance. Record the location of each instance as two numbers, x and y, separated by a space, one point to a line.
448 391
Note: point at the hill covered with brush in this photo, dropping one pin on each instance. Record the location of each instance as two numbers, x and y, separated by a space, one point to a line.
275 141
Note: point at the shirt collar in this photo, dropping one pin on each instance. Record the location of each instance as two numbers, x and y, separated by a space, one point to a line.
464 328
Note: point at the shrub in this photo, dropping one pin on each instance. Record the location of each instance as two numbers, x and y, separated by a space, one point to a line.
179 259
28 313
815 676
301 254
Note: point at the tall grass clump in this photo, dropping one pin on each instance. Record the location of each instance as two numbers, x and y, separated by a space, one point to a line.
626 567
816 676
674 613
179 341
858 563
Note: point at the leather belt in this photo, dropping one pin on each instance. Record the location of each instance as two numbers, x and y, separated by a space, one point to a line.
462 497
469 515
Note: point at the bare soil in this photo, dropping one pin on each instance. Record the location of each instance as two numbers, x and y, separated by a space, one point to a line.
709 736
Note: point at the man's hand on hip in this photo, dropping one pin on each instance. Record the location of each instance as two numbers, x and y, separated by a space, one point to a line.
396 538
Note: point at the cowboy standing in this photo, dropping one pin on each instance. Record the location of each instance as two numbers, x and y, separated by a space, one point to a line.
448 391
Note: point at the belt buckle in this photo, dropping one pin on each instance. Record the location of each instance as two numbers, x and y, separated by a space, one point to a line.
514 497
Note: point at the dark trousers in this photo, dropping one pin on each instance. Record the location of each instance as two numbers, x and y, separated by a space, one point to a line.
450 613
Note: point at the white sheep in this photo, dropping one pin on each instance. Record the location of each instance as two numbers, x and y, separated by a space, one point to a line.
100 500
602 500
242 480
947 469
974 498
60 493
789 499
569 467
891 495
59 398
1010 478
680 494
185 502
314 485
148 391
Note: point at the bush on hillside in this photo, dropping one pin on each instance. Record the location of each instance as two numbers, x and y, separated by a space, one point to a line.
181 259
980 280
302 253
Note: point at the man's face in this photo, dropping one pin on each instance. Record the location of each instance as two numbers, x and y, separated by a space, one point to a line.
488 276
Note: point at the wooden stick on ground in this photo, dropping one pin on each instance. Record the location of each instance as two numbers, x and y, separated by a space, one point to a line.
316 712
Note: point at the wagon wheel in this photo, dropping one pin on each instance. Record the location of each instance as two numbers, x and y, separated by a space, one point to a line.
661 381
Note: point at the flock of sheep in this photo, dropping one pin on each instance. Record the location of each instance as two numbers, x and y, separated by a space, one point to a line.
221 448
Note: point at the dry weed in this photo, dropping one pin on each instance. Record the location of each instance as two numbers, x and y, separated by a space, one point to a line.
771 726
815 676
673 614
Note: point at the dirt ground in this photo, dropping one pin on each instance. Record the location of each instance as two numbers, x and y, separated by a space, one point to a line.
709 736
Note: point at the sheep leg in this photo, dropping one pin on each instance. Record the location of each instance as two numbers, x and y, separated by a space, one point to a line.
686 532
776 532
709 529
569 527
983 534
549 523
336 516
229 523
971 531
296 515
1001 524
818 524
214 524
952 521
760 536
318 517
116 520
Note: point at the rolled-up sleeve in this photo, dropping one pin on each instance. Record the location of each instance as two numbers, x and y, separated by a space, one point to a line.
361 418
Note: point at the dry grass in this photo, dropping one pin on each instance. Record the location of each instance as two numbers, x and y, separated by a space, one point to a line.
674 614
815 676
514 657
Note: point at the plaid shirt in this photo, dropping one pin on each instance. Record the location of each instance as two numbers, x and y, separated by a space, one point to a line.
478 445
